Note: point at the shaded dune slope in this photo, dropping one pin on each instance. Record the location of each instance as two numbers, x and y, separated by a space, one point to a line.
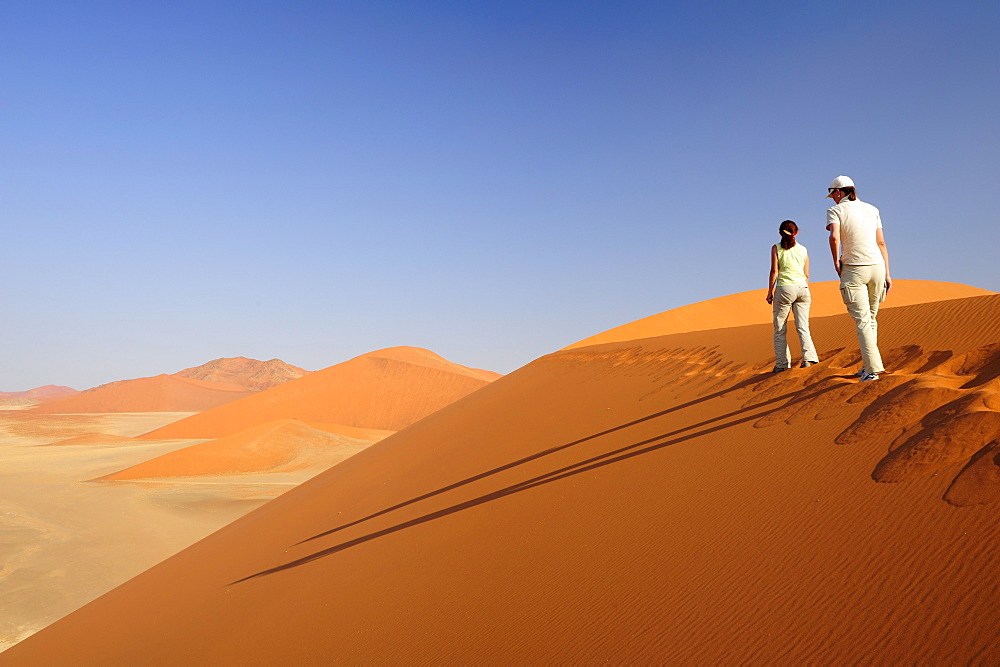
663 500
160 393
388 390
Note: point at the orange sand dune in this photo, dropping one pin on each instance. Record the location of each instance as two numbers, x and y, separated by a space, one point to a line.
23 399
656 501
751 308
191 390
387 390
46 393
278 446
247 373
161 393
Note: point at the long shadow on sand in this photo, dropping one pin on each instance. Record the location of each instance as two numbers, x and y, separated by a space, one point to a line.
640 448
539 455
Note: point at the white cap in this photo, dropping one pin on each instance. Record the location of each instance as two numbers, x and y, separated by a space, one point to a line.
842 182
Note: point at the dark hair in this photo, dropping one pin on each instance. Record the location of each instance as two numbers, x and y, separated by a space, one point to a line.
788 229
849 193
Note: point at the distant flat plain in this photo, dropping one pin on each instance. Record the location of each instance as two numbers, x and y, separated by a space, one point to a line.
65 539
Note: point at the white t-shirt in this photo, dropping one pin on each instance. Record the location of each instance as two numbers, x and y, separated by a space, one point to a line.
858 222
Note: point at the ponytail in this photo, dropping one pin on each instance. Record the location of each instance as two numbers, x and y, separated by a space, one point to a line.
788 229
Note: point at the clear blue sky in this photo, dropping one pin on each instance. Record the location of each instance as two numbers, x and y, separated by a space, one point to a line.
181 181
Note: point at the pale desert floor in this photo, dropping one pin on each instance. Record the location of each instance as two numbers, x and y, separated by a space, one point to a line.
65 540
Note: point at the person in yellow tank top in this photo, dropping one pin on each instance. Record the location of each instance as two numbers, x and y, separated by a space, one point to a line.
788 290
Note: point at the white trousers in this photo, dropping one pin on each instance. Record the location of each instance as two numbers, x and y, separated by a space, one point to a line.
863 289
798 299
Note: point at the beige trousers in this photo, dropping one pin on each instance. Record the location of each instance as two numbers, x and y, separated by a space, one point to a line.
863 289
797 299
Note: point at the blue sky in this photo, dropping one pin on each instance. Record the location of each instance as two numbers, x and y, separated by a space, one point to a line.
491 180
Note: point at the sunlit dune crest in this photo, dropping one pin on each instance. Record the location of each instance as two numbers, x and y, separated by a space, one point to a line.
746 308
661 500
278 446
385 390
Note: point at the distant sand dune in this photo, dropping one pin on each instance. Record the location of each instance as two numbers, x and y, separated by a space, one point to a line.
41 394
247 373
161 393
384 390
190 390
656 500
278 446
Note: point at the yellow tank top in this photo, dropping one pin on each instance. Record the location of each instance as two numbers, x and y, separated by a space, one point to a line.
792 265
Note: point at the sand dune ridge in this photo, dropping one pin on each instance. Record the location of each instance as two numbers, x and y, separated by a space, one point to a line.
662 499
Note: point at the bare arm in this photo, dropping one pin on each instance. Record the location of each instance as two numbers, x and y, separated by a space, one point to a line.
835 245
880 241
807 267
774 274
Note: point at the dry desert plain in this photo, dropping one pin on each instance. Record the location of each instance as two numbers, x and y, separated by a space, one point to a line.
93 495
649 495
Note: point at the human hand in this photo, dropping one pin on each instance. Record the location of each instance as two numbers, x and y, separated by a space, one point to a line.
770 297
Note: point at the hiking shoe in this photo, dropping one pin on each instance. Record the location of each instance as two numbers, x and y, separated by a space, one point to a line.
868 377
807 364
861 373
778 370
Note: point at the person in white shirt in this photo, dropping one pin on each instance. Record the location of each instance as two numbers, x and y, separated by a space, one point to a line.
861 259
788 289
